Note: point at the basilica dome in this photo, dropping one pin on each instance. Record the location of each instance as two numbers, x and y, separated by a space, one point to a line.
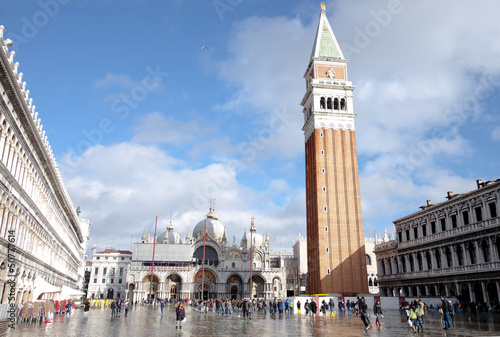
215 229
170 236
258 240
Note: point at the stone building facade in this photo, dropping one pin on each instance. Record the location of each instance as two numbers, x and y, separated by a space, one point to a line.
178 270
42 238
450 248
335 238
108 274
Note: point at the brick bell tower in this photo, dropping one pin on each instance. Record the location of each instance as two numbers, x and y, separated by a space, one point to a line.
335 238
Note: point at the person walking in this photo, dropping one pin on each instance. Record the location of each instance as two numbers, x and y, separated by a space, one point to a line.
342 308
377 311
180 314
127 307
314 308
307 307
422 312
364 316
113 309
162 306
280 307
331 305
86 307
413 317
298 307
245 308
446 313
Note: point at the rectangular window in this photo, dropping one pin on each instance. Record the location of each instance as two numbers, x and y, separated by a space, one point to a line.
407 235
104 270
424 230
120 281
106 258
121 271
400 236
479 214
123 258
415 232
114 258
465 217
454 221
443 224
112 271
112 280
433 227
493 209
95 280
98 258
103 280
96 271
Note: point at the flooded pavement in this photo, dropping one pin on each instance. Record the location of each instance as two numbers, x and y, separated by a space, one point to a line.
149 321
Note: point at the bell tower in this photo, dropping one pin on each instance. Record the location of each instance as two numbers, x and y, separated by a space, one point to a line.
335 238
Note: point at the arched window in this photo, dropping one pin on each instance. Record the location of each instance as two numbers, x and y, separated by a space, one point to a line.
375 282
322 103
370 283
368 260
329 103
429 260
336 104
233 265
342 104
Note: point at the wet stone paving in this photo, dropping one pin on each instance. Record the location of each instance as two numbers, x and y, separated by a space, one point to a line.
148 321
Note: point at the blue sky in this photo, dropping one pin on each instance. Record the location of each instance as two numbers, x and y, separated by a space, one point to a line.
141 119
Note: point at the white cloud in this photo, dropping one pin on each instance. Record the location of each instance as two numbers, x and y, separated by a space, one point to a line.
158 128
115 81
120 187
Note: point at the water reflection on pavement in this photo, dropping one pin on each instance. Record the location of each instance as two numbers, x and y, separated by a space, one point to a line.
149 321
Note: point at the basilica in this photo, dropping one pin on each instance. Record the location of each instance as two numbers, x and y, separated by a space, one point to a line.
231 270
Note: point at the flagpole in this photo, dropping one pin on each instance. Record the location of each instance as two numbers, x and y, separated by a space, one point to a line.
251 257
153 260
203 263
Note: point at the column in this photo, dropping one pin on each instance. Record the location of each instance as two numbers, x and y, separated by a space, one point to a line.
471 292
490 249
447 289
478 255
485 294
407 262
427 290
453 251
433 259
425 266
497 283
